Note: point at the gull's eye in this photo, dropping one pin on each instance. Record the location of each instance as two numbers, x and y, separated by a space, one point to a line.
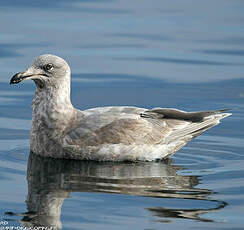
48 67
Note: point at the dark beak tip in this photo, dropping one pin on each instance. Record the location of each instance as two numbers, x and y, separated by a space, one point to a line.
11 81
17 78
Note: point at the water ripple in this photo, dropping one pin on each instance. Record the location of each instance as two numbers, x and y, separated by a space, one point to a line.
179 61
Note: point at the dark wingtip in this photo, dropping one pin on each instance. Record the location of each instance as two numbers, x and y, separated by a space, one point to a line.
223 110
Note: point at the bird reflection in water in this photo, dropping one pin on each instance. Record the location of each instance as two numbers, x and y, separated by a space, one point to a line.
50 181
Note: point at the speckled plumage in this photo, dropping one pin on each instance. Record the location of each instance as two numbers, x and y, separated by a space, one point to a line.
107 133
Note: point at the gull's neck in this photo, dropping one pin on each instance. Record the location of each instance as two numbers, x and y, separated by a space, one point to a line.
52 106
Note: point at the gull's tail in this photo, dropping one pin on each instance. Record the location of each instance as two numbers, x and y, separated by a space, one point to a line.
194 129
193 124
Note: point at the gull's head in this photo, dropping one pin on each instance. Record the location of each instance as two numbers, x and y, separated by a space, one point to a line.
46 71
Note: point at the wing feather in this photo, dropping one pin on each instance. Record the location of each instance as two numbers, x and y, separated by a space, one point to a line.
131 125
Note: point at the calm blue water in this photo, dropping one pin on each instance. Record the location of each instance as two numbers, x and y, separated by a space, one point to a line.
186 54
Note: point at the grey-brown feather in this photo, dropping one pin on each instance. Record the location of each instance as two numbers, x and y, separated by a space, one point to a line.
168 113
127 125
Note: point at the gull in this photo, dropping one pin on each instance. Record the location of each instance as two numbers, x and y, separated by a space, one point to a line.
116 133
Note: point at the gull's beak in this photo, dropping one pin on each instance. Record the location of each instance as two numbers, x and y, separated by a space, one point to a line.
18 77
28 74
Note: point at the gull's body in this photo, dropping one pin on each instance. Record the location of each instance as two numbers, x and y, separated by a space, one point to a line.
107 133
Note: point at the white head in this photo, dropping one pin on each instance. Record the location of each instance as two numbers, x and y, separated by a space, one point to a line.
47 71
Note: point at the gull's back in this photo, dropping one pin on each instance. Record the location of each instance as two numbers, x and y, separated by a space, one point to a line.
130 133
